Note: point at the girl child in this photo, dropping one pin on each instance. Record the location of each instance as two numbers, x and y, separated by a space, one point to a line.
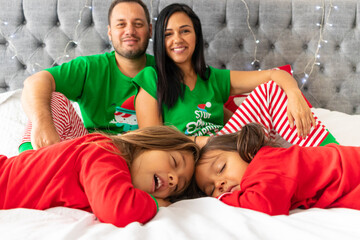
245 169
121 179
183 91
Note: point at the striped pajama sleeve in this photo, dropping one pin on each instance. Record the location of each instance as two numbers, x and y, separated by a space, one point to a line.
66 120
267 105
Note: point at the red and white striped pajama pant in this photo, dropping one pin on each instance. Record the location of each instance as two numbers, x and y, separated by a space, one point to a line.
267 105
67 122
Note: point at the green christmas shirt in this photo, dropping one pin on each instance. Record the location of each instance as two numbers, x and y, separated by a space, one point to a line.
201 111
104 94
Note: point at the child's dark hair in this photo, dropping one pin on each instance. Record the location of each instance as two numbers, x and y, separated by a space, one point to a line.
246 142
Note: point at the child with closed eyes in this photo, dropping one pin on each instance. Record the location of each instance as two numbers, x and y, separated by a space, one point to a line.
121 179
245 169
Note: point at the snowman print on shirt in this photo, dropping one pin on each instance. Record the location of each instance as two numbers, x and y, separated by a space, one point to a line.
125 115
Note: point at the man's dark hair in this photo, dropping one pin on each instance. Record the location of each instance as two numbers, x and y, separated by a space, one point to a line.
141 3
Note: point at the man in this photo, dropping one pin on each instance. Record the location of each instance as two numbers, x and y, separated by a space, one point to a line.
101 84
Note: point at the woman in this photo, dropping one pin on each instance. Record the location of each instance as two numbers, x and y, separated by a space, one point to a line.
183 91
121 179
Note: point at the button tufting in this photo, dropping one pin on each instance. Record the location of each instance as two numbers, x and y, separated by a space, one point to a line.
256 65
354 68
337 47
305 46
57 23
24 67
206 45
337 89
272 46
322 69
223 66
24 22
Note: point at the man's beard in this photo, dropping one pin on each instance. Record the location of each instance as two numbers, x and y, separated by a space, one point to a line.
133 54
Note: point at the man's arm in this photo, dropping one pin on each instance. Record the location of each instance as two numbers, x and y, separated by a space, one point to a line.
35 99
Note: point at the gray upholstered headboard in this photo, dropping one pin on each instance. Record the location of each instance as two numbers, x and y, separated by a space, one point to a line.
318 38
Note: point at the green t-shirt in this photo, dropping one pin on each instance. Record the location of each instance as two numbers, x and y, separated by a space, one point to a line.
104 94
201 111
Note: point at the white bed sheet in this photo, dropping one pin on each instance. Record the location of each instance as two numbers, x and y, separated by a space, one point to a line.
205 218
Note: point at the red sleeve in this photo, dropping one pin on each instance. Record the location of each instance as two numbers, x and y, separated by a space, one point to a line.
268 194
107 183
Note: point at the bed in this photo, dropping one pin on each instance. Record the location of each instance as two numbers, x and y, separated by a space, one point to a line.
319 39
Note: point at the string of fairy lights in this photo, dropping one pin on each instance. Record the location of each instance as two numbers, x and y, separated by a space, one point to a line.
13 35
87 6
308 69
315 61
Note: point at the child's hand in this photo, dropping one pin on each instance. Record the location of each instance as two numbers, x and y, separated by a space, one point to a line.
162 202
202 140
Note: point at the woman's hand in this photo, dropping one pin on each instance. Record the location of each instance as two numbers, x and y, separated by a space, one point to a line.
299 113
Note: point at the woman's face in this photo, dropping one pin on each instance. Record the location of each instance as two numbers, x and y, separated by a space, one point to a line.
219 172
180 38
162 173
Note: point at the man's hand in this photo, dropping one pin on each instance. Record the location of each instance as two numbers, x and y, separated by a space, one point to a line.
43 134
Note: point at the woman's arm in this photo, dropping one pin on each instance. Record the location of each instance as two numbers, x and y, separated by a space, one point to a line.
298 110
147 112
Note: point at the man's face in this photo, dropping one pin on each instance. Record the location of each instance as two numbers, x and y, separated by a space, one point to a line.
129 31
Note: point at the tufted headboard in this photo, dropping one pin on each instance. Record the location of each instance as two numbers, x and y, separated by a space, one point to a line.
320 39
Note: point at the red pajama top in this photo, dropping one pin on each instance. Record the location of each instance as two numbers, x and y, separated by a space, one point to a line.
278 179
76 174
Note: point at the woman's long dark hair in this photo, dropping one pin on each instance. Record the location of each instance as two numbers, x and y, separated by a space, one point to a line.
247 142
170 76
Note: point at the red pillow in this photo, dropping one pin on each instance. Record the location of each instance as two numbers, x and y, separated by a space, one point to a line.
234 101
